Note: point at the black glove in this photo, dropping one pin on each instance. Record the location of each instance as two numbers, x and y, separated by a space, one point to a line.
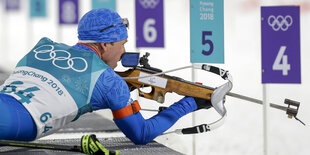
202 103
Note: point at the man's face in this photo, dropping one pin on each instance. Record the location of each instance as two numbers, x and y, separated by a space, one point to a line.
113 52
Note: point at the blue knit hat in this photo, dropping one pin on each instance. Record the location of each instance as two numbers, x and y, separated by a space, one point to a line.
102 25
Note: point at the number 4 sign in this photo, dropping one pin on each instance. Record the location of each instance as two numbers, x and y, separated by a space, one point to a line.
284 66
280 44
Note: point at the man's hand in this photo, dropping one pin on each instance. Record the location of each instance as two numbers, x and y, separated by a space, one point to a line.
202 103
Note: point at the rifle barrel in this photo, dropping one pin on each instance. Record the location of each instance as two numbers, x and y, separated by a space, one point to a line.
255 101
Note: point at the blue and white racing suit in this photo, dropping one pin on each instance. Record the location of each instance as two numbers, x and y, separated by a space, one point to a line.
54 84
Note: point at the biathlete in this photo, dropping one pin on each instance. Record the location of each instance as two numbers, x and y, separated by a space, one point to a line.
54 84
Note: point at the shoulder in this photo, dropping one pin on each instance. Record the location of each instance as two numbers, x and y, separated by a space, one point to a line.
109 79
115 89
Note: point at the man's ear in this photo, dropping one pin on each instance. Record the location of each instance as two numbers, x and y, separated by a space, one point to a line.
104 46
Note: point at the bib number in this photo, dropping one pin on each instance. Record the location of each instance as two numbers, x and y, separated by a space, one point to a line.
25 95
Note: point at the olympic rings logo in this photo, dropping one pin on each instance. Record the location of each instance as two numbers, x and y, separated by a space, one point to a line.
280 22
149 3
65 56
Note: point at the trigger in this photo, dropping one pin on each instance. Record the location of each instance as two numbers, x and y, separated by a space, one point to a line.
132 88
160 99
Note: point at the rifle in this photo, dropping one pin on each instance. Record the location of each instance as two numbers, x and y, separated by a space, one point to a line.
143 75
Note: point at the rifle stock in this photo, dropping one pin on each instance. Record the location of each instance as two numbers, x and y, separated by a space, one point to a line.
171 84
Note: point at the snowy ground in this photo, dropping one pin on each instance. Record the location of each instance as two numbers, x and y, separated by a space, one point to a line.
242 132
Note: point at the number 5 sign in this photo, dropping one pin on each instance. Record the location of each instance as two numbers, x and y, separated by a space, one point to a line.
149 23
280 44
207 31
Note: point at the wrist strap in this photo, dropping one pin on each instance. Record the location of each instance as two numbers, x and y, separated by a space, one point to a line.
126 111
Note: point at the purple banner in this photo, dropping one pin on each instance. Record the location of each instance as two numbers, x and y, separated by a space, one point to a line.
12 5
149 23
68 11
280 44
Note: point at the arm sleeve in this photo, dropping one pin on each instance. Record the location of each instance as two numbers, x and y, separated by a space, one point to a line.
141 131
112 92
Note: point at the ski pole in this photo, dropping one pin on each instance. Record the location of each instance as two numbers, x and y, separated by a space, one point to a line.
90 145
74 148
